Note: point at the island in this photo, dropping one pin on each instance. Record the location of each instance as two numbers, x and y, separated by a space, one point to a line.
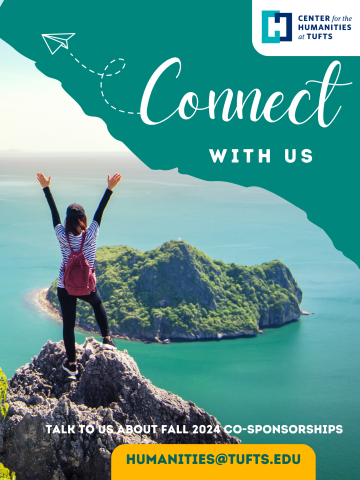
178 293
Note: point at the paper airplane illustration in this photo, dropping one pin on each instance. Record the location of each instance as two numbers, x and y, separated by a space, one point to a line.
56 40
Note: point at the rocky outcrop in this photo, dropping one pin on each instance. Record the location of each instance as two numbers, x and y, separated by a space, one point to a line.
109 393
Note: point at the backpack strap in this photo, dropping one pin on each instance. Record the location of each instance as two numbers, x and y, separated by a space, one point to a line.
82 242
68 240
72 250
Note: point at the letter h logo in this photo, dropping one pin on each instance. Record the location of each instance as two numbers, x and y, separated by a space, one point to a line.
266 15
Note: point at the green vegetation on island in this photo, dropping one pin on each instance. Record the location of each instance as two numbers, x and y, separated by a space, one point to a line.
177 292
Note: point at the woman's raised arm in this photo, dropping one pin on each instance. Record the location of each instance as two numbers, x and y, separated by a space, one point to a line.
45 183
112 182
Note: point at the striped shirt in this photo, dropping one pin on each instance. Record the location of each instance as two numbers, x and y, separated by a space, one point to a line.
89 248
92 232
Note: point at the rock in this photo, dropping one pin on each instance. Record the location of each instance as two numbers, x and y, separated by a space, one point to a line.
108 392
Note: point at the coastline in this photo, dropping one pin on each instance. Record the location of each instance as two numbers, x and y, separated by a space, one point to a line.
37 299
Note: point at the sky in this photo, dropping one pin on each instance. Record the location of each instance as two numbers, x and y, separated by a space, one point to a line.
28 100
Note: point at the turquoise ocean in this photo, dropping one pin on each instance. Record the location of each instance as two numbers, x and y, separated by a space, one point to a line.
305 373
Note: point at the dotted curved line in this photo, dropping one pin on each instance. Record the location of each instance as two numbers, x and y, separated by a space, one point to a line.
110 75
86 68
102 75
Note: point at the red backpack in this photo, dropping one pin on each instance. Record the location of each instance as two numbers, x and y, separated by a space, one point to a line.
78 277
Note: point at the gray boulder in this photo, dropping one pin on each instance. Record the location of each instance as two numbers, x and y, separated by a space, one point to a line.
109 394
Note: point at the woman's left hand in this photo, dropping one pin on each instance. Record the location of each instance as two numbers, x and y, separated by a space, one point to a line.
113 181
44 182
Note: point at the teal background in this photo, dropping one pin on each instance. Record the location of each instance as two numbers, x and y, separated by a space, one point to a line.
214 45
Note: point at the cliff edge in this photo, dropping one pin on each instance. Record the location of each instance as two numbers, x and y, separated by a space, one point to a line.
109 393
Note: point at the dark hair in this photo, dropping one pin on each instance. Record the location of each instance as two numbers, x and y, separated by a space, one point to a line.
75 224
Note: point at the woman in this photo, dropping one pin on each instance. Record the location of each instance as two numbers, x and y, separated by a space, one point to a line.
76 236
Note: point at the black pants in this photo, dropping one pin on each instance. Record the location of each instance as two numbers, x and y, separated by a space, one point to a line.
68 310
